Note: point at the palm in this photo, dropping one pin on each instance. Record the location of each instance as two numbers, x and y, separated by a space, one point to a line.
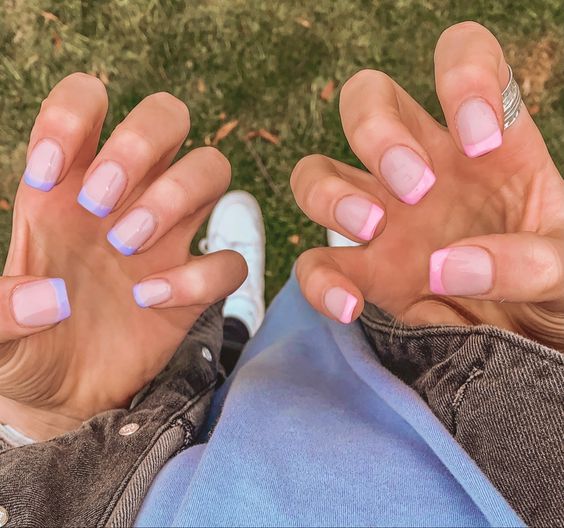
511 190
111 345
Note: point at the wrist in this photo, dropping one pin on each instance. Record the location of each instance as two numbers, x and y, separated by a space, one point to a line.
37 424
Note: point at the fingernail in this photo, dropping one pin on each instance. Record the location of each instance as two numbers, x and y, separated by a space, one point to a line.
103 188
340 303
408 175
477 127
151 292
358 216
44 165
41 302
462 270
132 231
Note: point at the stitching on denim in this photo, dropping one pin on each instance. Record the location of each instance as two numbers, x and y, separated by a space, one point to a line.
119 492
189 432
476 372
541 351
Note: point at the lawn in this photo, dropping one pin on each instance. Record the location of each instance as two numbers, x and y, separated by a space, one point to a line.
263 64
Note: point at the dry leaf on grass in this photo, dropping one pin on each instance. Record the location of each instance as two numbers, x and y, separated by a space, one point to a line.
224 131
201 86
328 90
304 22
294 239
5 205
57 41
264 134
222 116
48 16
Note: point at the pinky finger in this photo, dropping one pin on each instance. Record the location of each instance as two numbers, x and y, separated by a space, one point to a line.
200 282
326 287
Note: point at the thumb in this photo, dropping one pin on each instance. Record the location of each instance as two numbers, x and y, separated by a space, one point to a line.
31 304
517 267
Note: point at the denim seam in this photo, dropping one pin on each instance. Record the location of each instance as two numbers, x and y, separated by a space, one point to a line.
167 425
541 351
476 373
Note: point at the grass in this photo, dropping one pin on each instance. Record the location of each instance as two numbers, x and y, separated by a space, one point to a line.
262 63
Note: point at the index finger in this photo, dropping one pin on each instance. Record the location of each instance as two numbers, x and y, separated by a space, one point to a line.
66 131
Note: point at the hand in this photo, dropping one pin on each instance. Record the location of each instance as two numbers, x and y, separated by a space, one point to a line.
467 211
54 375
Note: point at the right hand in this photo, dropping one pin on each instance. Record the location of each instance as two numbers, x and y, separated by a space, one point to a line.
496 210
56 373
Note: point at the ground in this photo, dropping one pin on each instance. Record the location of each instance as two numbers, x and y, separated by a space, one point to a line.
258 65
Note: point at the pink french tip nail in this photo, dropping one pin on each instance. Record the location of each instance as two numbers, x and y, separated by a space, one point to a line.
407 174
462 270
478 127
151 292
358 216
40 303
340 303
132 231
44 165
436 269
103 188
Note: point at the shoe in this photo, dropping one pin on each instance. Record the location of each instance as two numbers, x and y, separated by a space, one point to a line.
337 240
236 223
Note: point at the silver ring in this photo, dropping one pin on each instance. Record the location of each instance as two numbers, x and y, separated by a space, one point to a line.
511 101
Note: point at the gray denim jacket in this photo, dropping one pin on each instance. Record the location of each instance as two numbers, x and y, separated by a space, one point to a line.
500 395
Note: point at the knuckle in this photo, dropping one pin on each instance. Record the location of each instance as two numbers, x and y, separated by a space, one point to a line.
169 101
135 145
219 162
471 75
363 77
461 27
305 164
65 121
95 86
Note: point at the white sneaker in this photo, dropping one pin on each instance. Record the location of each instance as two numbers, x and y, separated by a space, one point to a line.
236 223
337 240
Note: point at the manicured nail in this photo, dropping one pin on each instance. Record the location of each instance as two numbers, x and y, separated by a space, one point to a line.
44 165
464 270
408 175
358 216
41 302
151 292
132 231
477 127
340 303
103 188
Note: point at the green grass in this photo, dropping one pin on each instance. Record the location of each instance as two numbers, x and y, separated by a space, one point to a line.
260 66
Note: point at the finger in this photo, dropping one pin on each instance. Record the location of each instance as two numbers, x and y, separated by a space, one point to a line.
521 267
471 74
326 287
328 199
200 178
66 131
379 121
152 133
31 304
201 282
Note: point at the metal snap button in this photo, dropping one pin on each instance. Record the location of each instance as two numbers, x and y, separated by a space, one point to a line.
129 429
3 516
207 354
